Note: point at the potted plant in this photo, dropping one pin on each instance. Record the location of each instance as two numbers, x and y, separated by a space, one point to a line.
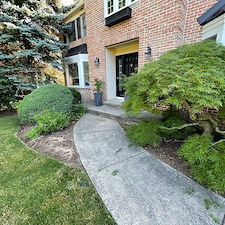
98 91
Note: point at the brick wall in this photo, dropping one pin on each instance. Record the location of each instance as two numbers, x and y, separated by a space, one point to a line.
193 30
163 25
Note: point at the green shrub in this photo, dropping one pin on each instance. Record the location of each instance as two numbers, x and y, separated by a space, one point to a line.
77 96
7 92
145 132
52 96
78 111
15 104
47 122
206 161
172 118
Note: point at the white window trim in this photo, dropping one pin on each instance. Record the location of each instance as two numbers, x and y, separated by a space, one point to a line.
79 59
215 27
116 6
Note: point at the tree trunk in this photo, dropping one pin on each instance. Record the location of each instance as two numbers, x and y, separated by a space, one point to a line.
207 127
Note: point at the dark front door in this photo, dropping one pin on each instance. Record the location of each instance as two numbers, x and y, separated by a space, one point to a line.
125 65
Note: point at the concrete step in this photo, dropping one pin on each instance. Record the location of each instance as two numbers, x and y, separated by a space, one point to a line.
118 114
114 102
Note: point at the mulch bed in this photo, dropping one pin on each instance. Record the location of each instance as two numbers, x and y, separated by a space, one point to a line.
58 145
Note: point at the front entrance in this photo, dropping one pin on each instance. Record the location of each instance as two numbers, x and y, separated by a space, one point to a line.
125 65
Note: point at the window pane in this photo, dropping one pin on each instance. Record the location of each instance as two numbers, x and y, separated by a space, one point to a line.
110 6
84 26
122 3
74 75
86 74
73 32
78 28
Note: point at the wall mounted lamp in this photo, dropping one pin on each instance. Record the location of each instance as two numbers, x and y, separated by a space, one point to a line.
97 62
148 53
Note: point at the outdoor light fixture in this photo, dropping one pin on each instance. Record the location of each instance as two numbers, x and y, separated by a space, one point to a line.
96 62
148 53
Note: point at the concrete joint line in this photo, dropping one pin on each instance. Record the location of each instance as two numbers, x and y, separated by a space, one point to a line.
103 131
133 156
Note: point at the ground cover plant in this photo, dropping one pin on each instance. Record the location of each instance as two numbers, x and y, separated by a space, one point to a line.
35 189
47 122
191 77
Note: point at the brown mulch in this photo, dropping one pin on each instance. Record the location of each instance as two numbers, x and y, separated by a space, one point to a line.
58 145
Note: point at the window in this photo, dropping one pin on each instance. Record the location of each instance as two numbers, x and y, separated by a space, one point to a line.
121 3
110 6
84 28
73 74
86 74
78 29
113 6
77 71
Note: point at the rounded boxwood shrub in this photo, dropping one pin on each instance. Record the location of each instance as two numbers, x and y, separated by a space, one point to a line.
52 96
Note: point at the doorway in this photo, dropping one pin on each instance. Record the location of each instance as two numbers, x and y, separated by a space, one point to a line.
125 66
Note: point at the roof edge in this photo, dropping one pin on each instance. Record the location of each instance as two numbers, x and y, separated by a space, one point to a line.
79 6
212 13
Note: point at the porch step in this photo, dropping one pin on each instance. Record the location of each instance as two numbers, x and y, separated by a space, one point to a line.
114 102
117 113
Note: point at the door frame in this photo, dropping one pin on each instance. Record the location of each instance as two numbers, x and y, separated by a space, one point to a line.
123 61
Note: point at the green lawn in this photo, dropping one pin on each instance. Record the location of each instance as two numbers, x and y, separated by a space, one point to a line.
35 189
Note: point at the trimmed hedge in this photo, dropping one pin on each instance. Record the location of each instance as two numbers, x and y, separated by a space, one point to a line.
52 96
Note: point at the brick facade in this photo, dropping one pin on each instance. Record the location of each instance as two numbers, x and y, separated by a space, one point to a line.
163 25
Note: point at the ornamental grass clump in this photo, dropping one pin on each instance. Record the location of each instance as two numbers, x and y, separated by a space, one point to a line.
48 97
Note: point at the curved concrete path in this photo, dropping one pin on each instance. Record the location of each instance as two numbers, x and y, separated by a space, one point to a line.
137 188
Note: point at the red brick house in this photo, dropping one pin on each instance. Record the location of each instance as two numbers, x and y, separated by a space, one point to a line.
110 38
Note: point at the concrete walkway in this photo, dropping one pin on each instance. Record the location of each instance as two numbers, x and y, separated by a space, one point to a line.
137 188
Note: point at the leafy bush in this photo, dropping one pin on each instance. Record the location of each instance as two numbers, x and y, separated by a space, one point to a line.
206 160
145 132
47 122
172 118
7 92
77 96
52 96
78 111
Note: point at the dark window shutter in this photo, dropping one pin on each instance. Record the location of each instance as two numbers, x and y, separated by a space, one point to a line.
78 28
73 31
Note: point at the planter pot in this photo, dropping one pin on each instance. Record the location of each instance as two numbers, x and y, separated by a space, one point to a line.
98 99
